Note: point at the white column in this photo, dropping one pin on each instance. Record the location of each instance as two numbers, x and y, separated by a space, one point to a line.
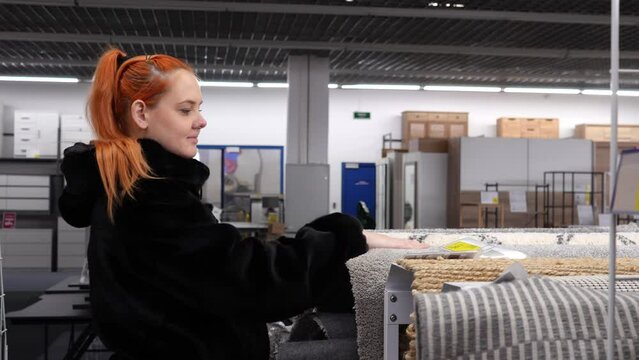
307 170
307 135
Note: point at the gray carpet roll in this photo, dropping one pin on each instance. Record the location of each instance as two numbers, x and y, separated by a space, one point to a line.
370 271
336 349
338 326
368 277
535 318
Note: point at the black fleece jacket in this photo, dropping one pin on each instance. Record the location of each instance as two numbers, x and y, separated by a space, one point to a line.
170 282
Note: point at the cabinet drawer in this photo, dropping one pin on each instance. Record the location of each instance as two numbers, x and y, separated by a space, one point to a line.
75 136
25 139
26 249
23 261
27 235
28 204
72 249
29 180
72 237
31 129
21 150
27 192
71 261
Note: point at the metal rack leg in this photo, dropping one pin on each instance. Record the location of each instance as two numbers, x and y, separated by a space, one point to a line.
46 342
81 345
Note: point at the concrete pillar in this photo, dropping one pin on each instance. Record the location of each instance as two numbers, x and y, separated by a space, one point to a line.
307 135
307 170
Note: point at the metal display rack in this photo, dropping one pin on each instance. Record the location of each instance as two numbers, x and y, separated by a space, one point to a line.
4 349
563 182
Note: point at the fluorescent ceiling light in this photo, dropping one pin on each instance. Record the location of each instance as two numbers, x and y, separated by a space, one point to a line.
628 92
226 84
380 87
596 92
272 85
332 86
39 79
462 88
541 90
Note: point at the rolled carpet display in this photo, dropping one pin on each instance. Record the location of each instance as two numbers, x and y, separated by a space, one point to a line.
369 271
430 275
336 349
535 318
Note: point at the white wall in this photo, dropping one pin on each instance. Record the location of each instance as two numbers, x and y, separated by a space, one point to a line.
361 140
258 116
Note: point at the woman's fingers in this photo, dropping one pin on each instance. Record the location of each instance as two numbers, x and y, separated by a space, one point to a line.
381 241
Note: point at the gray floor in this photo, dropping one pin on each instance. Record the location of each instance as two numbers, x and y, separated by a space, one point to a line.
26 342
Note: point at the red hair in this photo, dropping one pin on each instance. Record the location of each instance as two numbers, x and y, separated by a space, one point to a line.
117 83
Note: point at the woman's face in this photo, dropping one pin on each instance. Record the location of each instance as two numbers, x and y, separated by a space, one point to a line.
175 121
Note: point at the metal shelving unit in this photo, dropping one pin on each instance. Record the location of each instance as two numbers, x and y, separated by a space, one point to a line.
564 183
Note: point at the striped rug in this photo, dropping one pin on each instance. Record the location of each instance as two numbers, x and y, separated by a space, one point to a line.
535 318
449 322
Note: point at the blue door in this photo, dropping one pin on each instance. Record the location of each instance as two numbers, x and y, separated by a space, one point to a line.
358 184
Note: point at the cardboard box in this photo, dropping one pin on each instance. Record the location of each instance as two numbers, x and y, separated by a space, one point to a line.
548 128
456 130
600 132
509 127
428 145
533 128
436 130
431 124
415 115
530 128
416 129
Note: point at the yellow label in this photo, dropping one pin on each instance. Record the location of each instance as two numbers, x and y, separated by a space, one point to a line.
495 200
637 198
461 246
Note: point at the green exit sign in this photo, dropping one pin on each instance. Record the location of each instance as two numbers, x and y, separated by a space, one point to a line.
358 115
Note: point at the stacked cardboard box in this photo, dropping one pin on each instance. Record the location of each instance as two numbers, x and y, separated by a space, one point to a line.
433 125
531 128
387 151
428 145
598 132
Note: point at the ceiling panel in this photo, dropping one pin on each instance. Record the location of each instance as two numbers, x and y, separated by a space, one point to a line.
483 42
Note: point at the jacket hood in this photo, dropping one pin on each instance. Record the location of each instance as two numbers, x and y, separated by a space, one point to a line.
82 176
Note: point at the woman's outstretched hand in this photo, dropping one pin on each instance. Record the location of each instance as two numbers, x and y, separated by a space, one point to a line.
381 241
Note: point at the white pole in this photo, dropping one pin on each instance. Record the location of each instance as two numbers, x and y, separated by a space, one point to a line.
612 255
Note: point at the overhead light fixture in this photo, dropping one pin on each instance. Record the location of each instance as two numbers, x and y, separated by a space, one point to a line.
522 90
226 84
273 85
600 92
39 79
380 87
492 89
628 92
333 86
458 5
434 4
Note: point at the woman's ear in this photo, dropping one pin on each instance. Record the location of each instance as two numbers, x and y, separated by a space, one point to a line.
138 114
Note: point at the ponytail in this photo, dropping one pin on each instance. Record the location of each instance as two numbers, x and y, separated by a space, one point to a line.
118 82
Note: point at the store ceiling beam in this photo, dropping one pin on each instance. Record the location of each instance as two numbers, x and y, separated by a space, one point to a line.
344 10
501 76
498 77
90 63
318 45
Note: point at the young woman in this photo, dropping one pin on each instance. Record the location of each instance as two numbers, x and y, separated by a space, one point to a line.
167 280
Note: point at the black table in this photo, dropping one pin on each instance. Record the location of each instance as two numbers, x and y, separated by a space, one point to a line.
59 309
70 285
